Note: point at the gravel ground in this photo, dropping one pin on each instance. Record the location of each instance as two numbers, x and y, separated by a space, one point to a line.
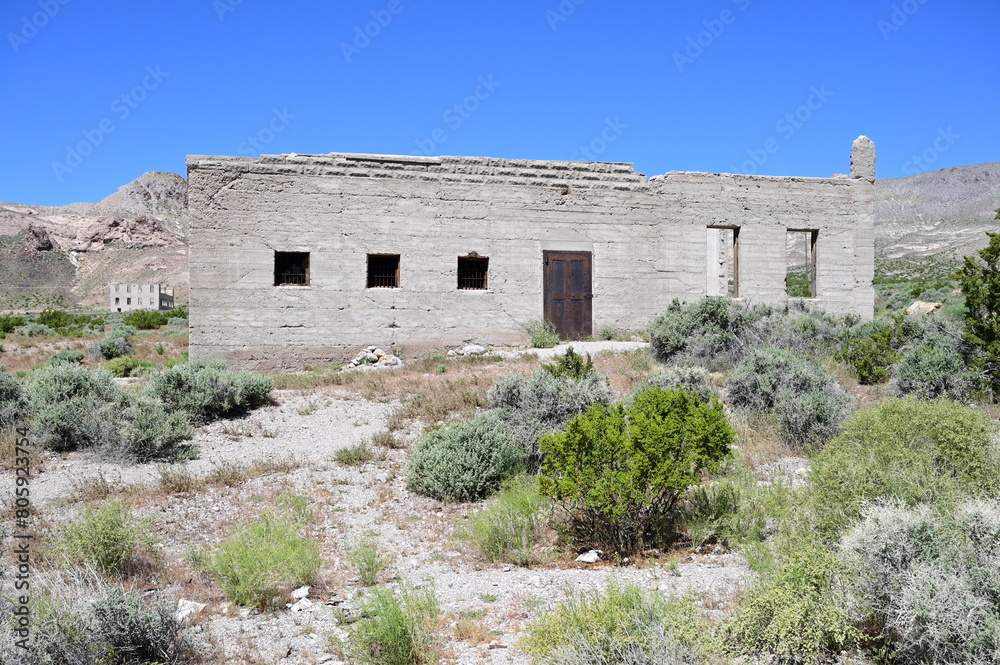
303 432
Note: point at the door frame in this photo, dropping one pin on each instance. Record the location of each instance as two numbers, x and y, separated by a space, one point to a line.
587 298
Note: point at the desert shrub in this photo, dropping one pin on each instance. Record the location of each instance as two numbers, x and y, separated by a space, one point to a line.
870 349
622 624
124 366
146 432
506 530
72 407
979 278
146 319
108 538
114 347
803 397
734 510
542 402
570 364
929 582
178 322
464 461
13 402
367 559
690 379
618 472
395 628
796 612
33 329
927 372
9 324
75 357
138 631
356 455
265 559
542 334
205 390
907 449
717 325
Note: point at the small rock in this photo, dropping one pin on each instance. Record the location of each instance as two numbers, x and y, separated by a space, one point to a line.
593 556
379 353
301 592
303 604
186 609
921 308
473 350
451 352
535 580
371 358
369 349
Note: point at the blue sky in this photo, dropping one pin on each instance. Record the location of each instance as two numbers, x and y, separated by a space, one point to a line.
96 93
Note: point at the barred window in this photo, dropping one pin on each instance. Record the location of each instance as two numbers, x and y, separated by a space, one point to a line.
291 268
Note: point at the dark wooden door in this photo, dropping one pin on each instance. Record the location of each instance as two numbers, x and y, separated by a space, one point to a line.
568 293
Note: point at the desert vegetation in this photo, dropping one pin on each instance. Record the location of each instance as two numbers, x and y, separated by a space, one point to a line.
576 511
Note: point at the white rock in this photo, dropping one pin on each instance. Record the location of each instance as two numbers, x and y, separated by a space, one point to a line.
301 592
186 609
473 350
593 556
371 358
303 604
379 352
921 308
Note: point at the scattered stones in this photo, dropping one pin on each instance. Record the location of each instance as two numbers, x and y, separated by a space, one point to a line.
301 592
468 350
373 356
593 556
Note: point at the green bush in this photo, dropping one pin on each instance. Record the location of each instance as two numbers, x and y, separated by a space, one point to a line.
395 628
980 281
265 559
543 335
933 370
73 357
146 319
717 324
796 612
618 472
464 461
114 347
33 329
542 402
72 407
570 364
506 530
13 402
108 538
205 390
146 432
689 379
929 582
907 449
734 510
356 455
870 349
622 624
123 366
10 323
136 630
804 398
367 560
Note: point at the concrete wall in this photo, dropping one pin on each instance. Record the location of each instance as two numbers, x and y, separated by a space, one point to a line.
649 242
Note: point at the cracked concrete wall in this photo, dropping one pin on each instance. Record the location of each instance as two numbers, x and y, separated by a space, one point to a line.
648 239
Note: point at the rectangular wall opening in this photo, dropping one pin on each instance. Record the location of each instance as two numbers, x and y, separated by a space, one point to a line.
383 271
800 263
291 268
472 273
723 261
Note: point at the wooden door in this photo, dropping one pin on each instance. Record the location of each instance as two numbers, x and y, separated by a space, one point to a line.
568 293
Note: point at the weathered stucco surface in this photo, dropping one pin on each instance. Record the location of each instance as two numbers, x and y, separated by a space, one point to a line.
649 239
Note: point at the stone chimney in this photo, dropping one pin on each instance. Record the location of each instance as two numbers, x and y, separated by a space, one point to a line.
863 159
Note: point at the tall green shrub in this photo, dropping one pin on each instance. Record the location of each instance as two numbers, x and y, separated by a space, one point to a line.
917 451
13 403
205 390
980 282
506 530
464 461
72 406
618 471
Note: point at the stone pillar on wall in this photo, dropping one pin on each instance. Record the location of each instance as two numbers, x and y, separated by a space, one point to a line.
863 159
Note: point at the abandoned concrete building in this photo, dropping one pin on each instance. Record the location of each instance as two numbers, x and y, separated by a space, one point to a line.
301 259
132 297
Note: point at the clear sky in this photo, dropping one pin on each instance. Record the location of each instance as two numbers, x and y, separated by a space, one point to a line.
95 93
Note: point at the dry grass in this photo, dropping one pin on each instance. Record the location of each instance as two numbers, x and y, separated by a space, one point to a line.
625 370
472 632
8 455
180 480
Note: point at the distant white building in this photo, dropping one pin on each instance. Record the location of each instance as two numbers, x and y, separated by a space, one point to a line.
132 297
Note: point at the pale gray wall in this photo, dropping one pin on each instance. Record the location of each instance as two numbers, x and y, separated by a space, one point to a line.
648 239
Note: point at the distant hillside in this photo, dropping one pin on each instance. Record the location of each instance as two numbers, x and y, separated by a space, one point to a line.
944 212
70 254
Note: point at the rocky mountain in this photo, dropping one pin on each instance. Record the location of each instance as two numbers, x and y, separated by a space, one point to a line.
944 212
71 253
